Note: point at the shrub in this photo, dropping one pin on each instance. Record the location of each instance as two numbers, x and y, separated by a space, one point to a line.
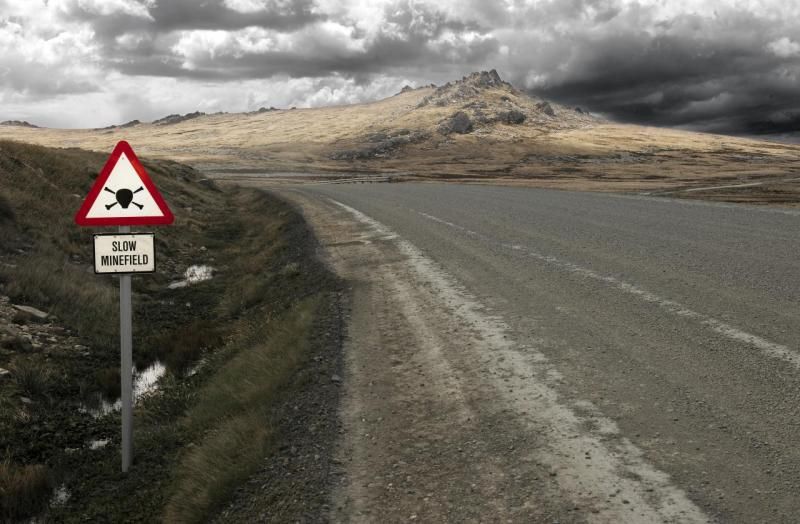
24 491
32 380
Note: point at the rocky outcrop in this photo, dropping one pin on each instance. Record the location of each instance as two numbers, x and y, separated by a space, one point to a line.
459 123
546 108
382 144
468 88
18 123
512 117
131 123
174 119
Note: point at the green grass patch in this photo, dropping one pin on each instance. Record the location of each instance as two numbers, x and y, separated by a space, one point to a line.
232 412
211 470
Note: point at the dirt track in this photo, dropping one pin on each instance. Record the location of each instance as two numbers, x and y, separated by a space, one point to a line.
447 418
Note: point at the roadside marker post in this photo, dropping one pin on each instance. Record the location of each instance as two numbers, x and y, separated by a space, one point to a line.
123 195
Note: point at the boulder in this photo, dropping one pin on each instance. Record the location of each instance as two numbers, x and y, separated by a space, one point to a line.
515 116
32 311
546 108
459 123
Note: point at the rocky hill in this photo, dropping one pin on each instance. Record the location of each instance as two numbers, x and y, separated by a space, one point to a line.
476 128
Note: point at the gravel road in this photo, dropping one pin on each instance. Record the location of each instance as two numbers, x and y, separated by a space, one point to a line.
529 355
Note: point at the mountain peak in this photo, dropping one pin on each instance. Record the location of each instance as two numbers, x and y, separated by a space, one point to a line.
484 79
469 87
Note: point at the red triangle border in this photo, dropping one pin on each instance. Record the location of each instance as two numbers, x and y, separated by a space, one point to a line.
123 147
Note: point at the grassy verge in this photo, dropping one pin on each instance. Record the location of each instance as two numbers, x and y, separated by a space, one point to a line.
208 427
233 414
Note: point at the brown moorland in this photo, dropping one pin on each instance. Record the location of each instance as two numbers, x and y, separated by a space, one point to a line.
478 129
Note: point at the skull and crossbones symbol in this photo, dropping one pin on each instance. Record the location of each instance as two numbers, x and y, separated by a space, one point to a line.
124 198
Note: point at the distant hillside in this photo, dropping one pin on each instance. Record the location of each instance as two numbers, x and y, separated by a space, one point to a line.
476 128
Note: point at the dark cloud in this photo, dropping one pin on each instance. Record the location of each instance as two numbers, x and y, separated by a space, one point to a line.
172 15
708 64
282 15
719 72
410 40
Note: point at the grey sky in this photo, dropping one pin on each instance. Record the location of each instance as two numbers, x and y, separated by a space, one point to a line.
725 66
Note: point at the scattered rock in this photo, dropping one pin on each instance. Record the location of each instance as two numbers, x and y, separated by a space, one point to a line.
37 313
382 144
406 89
513 117
25 400
458 123
4 372
546 108
336 379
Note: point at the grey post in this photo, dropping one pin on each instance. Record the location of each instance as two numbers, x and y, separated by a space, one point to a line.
126 364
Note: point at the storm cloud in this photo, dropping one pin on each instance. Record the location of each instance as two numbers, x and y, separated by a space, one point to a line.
718 66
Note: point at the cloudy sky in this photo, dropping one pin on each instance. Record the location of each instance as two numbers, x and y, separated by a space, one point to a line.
730 66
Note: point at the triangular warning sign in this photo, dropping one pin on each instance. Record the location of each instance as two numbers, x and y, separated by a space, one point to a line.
123 195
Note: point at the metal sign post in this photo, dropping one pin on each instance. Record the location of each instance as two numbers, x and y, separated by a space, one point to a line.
123 195
126 364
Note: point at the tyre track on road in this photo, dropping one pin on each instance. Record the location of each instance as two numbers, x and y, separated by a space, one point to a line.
448 419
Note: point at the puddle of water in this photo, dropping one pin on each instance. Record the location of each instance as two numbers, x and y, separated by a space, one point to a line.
98 444
193 275
196 368
147 381
144 383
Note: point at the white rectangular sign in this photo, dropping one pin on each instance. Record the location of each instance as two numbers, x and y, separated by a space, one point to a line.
124 253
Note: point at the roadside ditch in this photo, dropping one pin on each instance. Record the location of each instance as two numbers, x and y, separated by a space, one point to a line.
237 343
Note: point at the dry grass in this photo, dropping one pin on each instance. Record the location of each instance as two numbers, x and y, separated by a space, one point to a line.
64 289
232 411
32 380
24 491
564 152
6 211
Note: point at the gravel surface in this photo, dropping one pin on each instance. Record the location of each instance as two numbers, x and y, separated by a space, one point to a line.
499 334
295 482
